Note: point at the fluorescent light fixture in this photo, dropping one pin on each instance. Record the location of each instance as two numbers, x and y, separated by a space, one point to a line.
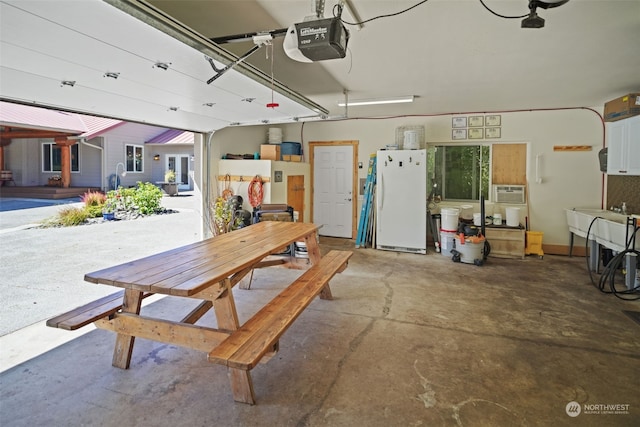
377 101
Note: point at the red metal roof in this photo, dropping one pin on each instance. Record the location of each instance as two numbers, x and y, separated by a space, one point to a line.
173 136
25 116
98 125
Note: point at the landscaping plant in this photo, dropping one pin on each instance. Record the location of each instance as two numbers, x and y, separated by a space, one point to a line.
127 203
147 198
94 202
69 216
222 217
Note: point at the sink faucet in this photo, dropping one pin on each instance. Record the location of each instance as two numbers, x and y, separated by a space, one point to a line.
622 209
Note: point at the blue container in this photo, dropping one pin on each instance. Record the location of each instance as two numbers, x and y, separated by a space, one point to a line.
290 148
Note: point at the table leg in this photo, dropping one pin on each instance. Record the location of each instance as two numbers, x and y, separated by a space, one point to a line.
124 343
227 318
313 250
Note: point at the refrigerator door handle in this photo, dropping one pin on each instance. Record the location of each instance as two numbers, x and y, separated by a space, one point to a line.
380 194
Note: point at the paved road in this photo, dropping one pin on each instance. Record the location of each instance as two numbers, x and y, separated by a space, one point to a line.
18 212
42 269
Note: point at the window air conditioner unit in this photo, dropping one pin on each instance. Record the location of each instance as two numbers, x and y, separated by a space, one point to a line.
508 194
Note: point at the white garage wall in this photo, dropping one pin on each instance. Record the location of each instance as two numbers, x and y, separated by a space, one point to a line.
570 178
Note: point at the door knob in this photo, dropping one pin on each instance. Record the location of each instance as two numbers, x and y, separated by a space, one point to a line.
348 200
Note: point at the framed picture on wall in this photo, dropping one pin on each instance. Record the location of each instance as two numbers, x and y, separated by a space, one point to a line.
459 122
492 133
476 133
493 120
476 122
459 134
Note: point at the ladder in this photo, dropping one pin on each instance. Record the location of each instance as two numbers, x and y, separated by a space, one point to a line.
366 212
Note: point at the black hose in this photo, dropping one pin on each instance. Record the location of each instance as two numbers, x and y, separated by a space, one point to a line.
609 272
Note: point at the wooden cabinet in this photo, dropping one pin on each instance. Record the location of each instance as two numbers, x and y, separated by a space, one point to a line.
623 140
506 242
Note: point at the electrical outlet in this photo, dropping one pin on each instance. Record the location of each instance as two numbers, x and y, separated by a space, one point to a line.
277 176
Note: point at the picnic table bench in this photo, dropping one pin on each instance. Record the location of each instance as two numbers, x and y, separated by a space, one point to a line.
208 270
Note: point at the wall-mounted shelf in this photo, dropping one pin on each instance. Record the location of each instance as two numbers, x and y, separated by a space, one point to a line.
241 178
572 148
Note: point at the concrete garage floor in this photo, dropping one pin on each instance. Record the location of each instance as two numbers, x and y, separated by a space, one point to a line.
409 340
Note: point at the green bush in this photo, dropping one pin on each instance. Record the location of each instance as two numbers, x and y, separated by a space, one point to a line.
147 198
94 211
120 200
144 198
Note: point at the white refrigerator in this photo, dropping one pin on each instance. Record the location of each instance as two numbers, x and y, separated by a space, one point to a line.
401 201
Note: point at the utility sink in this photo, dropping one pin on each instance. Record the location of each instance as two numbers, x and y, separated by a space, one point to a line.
607 228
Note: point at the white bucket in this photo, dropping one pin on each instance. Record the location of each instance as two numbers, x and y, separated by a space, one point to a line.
411 141
446 242
513 217
477 218
274 135
449 219
466 212
497 219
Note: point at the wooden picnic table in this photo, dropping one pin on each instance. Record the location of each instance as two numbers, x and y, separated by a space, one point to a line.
208 270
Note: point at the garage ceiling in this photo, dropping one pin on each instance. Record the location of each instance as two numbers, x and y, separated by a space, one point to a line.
94 58
453 55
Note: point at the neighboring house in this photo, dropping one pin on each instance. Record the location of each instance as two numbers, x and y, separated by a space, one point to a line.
101 149
173 150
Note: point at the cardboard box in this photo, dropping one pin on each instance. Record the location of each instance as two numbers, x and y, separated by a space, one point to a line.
622 108
291 158
270 152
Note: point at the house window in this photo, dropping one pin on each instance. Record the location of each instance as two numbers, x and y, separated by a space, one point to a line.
460 172
52 158
135 158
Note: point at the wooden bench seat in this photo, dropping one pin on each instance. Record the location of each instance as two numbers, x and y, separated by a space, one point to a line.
89 313
244 348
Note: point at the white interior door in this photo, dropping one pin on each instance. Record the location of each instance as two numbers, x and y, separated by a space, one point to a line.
180 165
333 190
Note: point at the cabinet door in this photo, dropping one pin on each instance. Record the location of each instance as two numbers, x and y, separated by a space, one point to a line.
633 138
616 141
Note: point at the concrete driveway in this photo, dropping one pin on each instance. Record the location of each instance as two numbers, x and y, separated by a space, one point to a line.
42 269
